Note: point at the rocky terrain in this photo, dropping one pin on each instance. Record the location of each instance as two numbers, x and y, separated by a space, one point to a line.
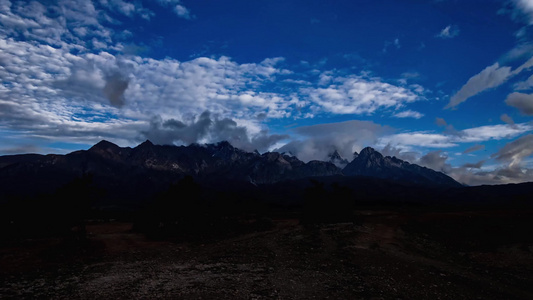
386 254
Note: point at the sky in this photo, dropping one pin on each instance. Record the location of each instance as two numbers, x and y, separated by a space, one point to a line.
447 84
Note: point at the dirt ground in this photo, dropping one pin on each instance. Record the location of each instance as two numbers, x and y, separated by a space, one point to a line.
386 255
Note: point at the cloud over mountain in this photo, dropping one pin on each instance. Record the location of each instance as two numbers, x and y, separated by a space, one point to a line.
319 141
207 129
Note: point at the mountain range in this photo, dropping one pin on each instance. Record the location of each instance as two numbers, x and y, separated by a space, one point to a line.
147 168
126 177
220 160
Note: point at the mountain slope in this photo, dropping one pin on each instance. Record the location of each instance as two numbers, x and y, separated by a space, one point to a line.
336 159
371 163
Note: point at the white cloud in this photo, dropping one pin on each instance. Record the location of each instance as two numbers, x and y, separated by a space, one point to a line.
55 84
471 175
178 8
492 132
48 85
449 32
44 87
525 66
360 95
512 155
410 75
182 11
490 77
524 85
417 139
515 151
318 141
512 170
526 8
426 139
121 6
409 114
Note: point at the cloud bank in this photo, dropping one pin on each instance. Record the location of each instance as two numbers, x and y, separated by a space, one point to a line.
316 142
208 129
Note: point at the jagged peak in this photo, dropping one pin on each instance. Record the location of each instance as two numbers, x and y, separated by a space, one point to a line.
146 143
370 152
288 153
335 154
224 144
271 154
336 159
103 144
367 151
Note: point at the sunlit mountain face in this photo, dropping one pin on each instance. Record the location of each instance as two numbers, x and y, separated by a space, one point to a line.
443 84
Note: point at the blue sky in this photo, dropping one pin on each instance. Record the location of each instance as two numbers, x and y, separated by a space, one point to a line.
445 84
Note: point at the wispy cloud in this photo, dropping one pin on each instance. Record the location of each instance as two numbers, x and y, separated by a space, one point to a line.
448 32
440 122
409 114
507 119
438 140
394 43
417 139
178 8
523 9
524 85
490 77
515 151
474 149
510 170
